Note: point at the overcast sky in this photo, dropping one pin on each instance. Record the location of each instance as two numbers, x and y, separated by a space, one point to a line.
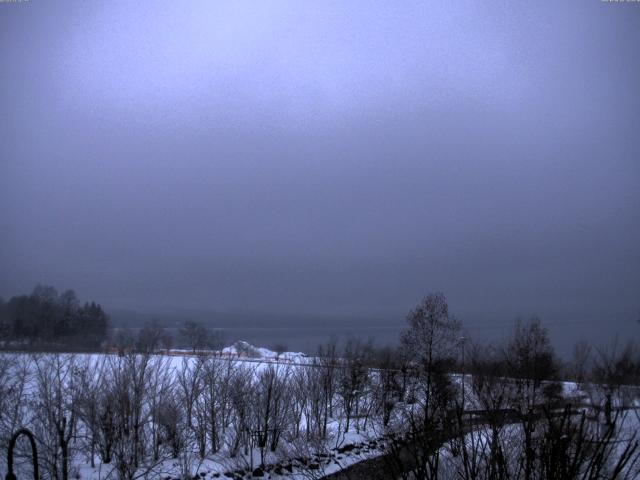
332 158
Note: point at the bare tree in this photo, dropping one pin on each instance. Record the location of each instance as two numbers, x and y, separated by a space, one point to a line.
299 398
190 385
153 336
387 390
130 380
616 375
242 395
218 375
480 445
197 336
169 418
56 409
353 377
531 362
431 341
271 407
328 359
316 407
159 393
14 378
431 344
91 374
582 359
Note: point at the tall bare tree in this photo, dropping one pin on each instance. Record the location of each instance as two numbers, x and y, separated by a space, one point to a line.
56 407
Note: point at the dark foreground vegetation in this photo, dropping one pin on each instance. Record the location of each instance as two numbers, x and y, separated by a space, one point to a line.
439 406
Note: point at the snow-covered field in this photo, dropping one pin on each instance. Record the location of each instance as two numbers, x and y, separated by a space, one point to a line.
234 388
242 412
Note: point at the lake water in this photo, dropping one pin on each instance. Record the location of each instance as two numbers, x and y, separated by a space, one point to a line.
307 339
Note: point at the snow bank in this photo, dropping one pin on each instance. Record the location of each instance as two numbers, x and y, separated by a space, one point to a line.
242 349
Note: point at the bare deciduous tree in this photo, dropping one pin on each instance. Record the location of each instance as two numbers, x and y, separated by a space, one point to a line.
56 407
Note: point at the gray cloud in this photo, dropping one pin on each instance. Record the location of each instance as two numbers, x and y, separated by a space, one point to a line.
342 158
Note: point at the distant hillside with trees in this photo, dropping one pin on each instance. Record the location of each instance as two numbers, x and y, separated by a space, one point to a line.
47 319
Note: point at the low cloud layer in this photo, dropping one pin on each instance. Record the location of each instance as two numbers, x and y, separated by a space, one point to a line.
337 159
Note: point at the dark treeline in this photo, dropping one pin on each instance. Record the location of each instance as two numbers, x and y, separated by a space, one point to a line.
46 319
155 337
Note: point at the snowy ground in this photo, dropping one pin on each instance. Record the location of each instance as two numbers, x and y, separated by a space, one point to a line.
294 460
289 461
